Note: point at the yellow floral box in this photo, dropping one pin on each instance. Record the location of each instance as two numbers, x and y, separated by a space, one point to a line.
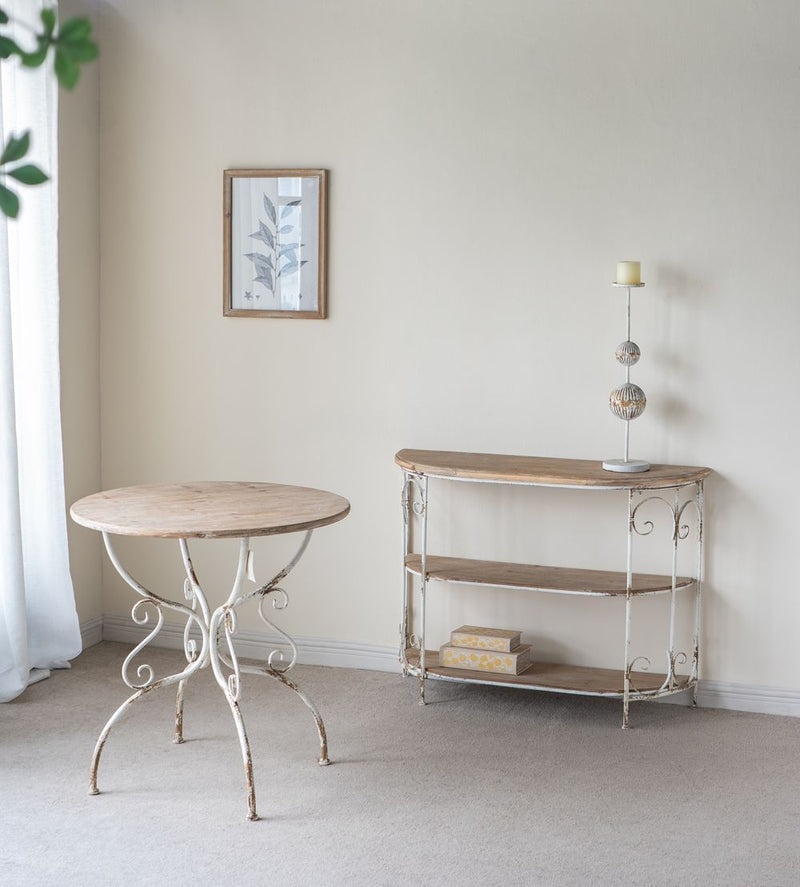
510 662
478 638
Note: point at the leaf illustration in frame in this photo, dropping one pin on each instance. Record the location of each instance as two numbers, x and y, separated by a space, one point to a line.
267 241
266 280
288 207
263 263
264 234
269 206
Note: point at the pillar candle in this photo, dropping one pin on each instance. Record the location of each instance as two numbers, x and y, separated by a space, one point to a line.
629 273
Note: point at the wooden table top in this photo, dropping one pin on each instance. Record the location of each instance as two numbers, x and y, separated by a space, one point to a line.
541 471
207 510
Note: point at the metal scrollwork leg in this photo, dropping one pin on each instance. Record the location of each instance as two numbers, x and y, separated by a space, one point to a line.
673 682
276 661
626 685
194 595
230 686
277 666
695 667
404 667
247 758
223 624
405 505
421 509
629 682
146 683
674 659
223 620
414 502
626 675
323 759
190 651
101 741
178 738
217 631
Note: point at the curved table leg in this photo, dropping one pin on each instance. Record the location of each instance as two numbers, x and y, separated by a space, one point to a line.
323 760
247 759
194 595
145 672
222 628
190 650
178 738
223 619
101 741
280 600
230 687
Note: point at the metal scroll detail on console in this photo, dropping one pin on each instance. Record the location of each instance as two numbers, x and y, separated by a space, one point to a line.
679 489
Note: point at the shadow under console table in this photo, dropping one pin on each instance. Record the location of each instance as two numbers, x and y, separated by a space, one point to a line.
678 487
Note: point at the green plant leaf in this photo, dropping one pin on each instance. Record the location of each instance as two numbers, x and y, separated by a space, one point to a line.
9 202
84 51
29 174
3 18
16 148
67 71
74 30
7 47
36 58
48 17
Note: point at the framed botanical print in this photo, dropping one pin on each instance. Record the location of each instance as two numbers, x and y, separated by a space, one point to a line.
274 243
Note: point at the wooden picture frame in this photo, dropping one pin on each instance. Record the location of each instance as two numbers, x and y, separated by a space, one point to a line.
274 243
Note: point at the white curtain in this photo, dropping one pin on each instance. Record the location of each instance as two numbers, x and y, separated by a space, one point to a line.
38 624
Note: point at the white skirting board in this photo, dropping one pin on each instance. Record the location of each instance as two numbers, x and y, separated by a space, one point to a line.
92 631
749 697
344 654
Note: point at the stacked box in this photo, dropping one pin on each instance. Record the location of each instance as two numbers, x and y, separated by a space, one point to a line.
477 638
496 650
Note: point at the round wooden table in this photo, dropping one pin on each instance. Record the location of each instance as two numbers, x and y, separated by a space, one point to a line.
209 510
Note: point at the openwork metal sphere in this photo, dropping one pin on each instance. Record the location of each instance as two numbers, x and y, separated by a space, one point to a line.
628 353
627 401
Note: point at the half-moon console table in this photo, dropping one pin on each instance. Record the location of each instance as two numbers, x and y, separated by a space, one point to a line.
209 510
678 487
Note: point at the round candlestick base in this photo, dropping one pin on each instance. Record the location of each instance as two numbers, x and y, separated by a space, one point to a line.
629 465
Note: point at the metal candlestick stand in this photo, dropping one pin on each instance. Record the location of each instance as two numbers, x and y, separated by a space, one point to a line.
627 401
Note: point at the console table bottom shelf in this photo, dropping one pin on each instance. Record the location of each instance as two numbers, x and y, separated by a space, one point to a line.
555 678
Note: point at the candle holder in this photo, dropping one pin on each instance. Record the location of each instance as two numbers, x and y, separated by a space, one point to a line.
627 401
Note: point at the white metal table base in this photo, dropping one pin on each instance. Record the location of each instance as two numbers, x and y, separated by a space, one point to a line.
217 630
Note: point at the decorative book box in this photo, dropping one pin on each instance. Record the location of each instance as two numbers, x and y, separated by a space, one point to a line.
508 662
478 638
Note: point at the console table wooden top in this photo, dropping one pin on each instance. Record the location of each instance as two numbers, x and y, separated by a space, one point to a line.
210 509
542 471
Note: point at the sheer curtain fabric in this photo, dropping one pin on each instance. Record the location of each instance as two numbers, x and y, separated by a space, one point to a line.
38 623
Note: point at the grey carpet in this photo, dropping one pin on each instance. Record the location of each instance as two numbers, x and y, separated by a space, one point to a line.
481 787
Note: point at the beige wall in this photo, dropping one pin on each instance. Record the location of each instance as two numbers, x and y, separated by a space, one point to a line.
79 265
489 163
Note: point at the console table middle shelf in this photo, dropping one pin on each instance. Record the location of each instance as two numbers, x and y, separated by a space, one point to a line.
634 681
